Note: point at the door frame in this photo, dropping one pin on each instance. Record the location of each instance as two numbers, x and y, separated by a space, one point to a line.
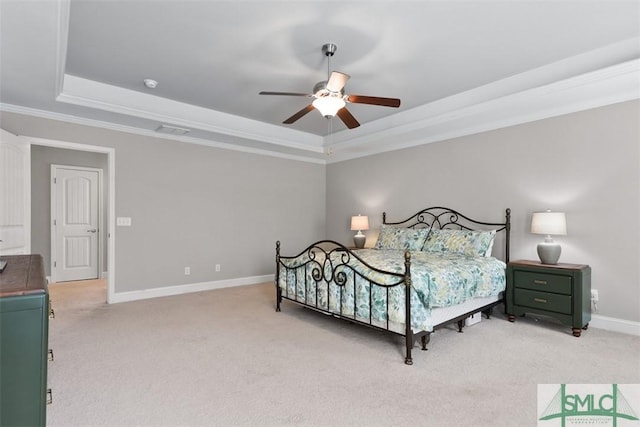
54 207
111 223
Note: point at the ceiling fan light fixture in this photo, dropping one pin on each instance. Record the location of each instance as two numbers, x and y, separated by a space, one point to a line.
329 105
329 96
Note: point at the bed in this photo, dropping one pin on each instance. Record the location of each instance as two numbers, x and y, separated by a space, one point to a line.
432 269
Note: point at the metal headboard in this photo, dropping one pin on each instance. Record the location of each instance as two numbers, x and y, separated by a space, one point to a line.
445 218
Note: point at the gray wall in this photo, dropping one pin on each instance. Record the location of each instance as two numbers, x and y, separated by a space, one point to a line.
199 206
586 164
196 206
41 160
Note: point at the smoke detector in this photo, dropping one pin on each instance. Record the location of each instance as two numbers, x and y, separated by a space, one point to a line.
150 83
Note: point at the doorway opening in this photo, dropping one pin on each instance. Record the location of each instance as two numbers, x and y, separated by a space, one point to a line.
77 244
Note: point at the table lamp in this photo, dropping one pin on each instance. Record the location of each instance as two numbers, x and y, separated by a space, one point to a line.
549 223
359 223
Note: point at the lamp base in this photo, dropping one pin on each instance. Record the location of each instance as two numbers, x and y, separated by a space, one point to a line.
549 252
359 240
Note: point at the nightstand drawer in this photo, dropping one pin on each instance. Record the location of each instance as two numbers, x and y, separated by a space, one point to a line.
542 282
543 301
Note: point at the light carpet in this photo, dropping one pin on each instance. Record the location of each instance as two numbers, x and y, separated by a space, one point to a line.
226 358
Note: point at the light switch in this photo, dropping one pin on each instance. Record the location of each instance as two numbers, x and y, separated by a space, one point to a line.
122 221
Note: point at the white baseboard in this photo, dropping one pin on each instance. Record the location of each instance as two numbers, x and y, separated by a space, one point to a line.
615 325
597 321
186 289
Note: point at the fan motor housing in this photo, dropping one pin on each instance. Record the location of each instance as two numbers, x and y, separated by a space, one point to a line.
322 86
319 86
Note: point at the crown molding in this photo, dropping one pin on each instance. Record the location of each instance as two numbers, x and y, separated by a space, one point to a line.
451 118
92 94
9 108
451 107
62 40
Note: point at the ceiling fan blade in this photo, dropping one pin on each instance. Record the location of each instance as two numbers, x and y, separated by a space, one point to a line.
348 118
374 100
299 114
284 93
337 81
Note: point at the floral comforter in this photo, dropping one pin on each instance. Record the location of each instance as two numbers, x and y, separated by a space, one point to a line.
437 280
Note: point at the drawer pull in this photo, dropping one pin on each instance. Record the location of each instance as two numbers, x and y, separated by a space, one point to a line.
540 282
50 355
544 301
49 397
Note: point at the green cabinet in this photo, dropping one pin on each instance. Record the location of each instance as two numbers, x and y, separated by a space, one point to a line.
24 326
562 291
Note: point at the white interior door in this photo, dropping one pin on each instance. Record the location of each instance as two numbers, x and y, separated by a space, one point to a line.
75 222
15 194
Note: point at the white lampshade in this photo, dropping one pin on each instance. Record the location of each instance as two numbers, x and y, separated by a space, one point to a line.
549 223
360 222
328 105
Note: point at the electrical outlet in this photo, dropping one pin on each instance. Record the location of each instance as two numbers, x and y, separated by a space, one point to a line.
594 300
187 271
123 221
217 268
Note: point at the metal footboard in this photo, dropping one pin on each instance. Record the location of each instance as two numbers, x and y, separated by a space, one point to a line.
326 270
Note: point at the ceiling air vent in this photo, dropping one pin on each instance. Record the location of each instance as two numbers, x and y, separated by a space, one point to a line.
172 130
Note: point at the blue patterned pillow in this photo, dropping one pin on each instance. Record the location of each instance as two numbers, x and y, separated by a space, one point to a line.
463 242
401 238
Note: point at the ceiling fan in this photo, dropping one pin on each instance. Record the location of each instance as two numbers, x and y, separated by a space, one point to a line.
329 96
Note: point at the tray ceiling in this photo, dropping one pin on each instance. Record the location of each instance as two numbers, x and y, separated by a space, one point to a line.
445 60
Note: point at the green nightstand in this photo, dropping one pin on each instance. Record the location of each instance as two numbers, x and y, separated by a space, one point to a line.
562 291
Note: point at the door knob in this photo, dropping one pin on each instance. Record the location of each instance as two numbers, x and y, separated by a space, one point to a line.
93 230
